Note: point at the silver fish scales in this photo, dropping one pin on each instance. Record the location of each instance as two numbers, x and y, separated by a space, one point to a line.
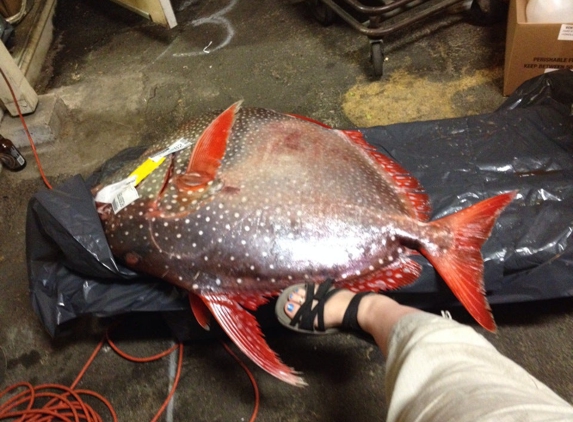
263 200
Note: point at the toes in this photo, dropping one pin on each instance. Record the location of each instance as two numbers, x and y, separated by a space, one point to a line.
297 296
291 308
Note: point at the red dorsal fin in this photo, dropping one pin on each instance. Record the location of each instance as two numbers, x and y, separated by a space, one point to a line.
461 265
242 327
417 199
208 151
309 119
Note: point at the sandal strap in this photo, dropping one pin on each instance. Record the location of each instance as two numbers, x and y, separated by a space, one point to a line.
306 314
350 319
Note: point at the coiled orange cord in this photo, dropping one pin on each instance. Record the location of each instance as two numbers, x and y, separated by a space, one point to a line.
67 405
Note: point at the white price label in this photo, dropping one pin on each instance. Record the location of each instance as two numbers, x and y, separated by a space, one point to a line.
109 192
124 198
566 32
178 145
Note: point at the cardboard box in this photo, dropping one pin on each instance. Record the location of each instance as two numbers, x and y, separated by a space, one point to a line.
532 49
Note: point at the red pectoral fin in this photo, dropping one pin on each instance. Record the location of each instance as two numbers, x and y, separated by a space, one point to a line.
208 151
242 327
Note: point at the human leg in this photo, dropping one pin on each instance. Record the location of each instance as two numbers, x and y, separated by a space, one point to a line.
439 370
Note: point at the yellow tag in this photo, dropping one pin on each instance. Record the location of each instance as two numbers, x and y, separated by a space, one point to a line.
146 169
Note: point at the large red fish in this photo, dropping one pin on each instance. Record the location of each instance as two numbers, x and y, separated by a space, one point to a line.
262 200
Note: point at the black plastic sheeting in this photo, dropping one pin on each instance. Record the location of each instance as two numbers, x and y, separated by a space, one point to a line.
6 32
525 145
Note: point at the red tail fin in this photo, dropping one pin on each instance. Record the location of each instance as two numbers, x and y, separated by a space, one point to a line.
461 266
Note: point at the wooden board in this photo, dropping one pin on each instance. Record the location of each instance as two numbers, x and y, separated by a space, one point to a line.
158 11
25 94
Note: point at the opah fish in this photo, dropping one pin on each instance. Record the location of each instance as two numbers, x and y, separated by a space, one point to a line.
262 200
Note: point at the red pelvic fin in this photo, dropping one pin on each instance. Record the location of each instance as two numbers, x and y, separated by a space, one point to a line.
252 301
200 311
242 327
400 274
416 198
208 151
461 265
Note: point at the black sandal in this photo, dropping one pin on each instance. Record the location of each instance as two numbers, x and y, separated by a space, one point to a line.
303 320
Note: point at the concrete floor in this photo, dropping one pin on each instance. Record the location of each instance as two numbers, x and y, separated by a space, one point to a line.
125 81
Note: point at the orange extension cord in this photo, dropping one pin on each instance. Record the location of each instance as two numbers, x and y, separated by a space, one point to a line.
65 403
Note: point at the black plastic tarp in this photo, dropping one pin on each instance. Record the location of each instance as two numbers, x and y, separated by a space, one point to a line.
525 145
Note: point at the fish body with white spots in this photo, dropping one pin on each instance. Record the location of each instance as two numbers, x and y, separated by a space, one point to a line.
263 200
